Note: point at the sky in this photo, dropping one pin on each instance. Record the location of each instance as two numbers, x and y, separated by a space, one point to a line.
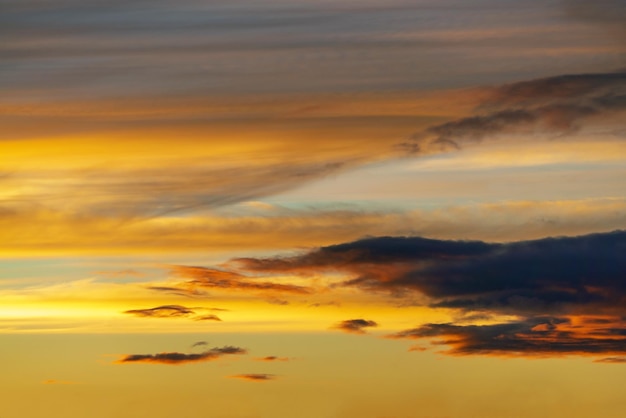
297 208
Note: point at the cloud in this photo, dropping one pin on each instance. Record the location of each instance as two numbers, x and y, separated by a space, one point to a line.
207 318
121 273
567 294
303 228
58 382
174 311
166 311
272 358
192 293
535 336
181 358
356 326
560 275
209 278
200 344
607 14
612 360
321 304
555 105
255 377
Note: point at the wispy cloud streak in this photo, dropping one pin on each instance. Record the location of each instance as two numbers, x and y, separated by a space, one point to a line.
175 358
209 278
255 377
555 105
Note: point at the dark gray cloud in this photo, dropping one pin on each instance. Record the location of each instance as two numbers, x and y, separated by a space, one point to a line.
558 275
181 358
555 105
356 326
567 293
380 250
536 336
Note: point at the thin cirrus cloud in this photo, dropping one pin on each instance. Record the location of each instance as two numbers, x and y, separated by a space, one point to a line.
173 311
175 358
556 105
567 293
288 228
355 326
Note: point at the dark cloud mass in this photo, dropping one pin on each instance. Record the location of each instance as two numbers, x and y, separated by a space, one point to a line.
356 326
191 293
369 251
565 274
556 105
567 293
180 358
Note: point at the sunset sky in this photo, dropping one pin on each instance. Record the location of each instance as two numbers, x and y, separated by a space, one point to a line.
312 209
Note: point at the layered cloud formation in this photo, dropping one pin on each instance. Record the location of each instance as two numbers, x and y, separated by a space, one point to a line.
568 293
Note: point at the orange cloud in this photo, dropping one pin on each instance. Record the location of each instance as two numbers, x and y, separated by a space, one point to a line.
209 278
